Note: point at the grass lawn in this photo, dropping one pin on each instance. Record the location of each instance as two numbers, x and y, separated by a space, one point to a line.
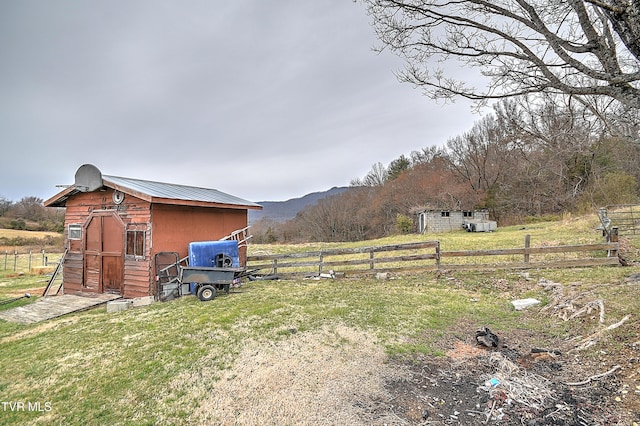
165 363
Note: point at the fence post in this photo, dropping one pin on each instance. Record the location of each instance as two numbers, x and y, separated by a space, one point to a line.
6 257
437 255
613 238
527 244
30 257
15 260
371 261
320 264
275 266
43 259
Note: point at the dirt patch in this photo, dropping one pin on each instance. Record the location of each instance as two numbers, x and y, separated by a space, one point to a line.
515 384
585 378
332 376
340 375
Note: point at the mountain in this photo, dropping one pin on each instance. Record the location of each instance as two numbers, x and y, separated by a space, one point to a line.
281 211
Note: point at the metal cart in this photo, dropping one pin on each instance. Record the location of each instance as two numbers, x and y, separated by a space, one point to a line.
176 278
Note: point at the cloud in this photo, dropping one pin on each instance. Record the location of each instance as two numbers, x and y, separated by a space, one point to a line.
265 100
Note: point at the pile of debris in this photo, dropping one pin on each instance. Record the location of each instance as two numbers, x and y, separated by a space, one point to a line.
489 382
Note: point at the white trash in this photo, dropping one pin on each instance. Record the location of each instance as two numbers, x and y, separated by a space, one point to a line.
524 303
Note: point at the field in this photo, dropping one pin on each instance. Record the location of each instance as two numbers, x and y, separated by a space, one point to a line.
17 233
355 351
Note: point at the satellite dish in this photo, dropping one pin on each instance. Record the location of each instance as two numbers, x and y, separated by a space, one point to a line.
118 197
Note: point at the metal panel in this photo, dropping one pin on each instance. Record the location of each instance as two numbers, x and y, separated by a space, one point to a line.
177 192
208 275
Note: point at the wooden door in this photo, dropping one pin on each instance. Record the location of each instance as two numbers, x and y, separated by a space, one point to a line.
104 254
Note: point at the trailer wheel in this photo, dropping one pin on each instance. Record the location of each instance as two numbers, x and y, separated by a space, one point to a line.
206 293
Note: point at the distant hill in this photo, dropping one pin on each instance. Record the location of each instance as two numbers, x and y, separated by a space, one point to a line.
281 211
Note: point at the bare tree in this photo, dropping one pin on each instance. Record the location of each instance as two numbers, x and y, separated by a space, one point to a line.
5 205
483 155
579 48
30 208
377 176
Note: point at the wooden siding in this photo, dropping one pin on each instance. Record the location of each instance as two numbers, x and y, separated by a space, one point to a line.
137 278
166 227
72 272
132 211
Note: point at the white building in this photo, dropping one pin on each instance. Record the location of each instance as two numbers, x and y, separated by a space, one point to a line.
453 220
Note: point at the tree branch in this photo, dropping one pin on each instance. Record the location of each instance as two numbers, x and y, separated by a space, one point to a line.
522 48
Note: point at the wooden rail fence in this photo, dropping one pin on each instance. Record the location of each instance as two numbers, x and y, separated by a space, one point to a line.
428 256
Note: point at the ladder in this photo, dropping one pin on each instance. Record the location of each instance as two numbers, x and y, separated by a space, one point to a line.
54 276
241 236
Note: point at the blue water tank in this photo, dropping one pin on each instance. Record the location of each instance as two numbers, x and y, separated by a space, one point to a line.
214 254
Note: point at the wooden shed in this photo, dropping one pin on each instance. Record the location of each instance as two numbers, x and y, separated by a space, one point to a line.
114 227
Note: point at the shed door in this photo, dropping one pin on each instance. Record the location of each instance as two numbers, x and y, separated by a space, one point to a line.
104 254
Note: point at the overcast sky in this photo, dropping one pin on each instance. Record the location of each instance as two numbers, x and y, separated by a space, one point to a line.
265 100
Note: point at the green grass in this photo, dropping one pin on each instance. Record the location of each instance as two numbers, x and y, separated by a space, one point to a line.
99 367
566 232
140 366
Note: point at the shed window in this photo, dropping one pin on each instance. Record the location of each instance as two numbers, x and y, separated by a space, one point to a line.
445 214
75 232
467 213
135 243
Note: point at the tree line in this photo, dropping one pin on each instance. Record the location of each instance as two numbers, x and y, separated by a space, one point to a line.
30 214
525 159
563 135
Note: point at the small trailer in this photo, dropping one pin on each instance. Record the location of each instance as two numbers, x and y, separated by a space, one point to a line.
211 266
204 281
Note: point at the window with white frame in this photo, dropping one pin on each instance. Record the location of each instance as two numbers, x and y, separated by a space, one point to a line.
75 231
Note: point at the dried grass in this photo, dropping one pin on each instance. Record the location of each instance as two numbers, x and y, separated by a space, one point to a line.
329 376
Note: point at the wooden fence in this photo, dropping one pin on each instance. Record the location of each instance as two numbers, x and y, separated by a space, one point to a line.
351 260
428 256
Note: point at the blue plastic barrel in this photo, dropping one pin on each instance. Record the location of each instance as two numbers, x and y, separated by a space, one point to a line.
214 253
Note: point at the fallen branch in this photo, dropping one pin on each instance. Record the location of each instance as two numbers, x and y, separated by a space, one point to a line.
588 308
596 377
493 406
591 340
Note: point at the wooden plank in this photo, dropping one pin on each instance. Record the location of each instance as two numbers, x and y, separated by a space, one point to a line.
346 251
605 261
531 250
306 260
54 306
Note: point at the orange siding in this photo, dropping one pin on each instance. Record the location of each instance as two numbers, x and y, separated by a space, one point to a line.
168 228
174 227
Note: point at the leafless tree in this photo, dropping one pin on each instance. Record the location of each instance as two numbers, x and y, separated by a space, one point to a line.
377 176
578 48
30 208
482 155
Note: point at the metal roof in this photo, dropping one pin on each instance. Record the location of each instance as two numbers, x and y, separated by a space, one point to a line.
88 179
174 191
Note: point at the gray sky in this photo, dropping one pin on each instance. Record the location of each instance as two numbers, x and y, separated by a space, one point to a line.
265 100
